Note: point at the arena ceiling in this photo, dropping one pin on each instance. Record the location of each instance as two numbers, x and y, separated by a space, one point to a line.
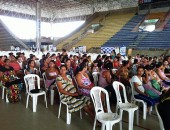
53 11
59 9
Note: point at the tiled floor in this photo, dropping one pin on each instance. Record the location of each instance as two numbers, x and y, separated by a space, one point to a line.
17 117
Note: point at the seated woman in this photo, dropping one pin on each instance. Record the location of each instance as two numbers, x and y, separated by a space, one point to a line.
34 58
123 73
69 68
58 62
106 79
116 63
75 63
70 94
139 91
161 74
2 58
166 68
31 68
12 84
148 80
83 80
44 66
16 66
95 68
51 74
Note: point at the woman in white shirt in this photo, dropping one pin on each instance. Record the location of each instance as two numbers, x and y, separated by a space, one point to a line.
139 91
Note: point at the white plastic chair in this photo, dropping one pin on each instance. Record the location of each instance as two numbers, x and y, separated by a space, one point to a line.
95 77
114 70
30 81
126 106
24 71
51 91
68 115
4 93
34 70
159 118
108 119
134 100
39 70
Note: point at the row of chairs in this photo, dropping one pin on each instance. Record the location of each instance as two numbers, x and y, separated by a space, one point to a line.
107 119
133 99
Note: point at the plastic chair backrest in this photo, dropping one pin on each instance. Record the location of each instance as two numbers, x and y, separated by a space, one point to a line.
96 98
31 80
116 86
44 79
24 71
95 77
132 88
75 82
39 71
159 117
59 94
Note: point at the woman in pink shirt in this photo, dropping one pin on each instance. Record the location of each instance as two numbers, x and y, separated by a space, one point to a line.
106 79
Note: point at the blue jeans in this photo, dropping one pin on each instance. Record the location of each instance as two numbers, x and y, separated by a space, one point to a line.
150 101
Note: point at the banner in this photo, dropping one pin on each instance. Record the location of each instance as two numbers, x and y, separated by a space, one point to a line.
123 51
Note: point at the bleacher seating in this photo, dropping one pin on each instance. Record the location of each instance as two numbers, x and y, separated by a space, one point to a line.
126 35
122 30
111 25
78 34
157 39
145 40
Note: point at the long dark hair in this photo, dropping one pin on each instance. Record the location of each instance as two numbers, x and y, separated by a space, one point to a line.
28 64
109 66
52 62
81 67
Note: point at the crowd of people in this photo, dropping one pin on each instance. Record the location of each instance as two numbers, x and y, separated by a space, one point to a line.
73 75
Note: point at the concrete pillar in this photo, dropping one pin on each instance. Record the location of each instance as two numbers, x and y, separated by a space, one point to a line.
38 26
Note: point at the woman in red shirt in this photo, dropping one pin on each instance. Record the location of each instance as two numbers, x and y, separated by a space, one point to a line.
116 63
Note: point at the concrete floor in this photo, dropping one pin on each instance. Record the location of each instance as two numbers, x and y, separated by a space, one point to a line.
17 117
